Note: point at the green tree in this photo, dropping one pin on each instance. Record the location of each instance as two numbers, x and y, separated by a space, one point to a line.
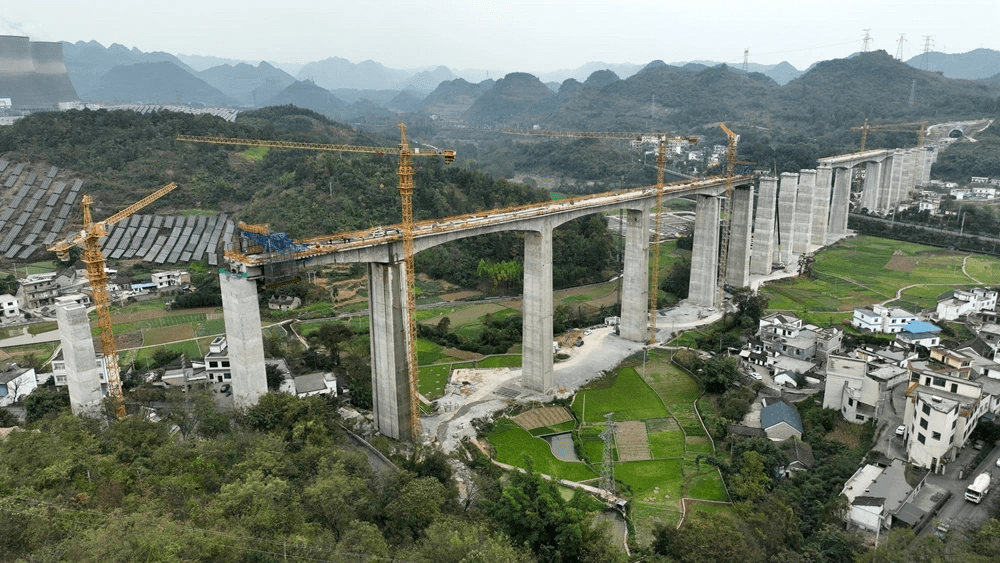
419 502
719 373
7 419
45 401
451 540
333 497
532 512
274 376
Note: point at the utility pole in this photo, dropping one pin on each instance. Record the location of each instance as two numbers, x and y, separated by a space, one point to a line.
608 463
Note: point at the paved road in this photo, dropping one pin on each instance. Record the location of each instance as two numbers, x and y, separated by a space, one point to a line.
960 512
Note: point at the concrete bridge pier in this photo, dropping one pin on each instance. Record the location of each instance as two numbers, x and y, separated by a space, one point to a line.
909 174
635 283
391 401
885 189
536 339
927 157
873 184
895 178
821 204
762 256
841 201
803 212
703 288
787 190
738 262
83 377
243 338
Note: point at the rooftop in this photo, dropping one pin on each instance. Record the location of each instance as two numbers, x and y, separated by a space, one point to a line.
779 412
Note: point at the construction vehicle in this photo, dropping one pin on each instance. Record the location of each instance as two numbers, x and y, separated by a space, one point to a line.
979 488
661 164
90 237
405 154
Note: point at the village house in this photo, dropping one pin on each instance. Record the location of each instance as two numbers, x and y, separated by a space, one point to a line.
881 319
16 383
9 306
964 302
781 421
877 495
38 290
859 385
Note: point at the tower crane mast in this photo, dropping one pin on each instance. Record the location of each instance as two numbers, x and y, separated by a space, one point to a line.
90 237
661 164
727 211
405 154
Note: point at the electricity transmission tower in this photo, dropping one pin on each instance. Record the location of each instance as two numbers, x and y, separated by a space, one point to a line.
899 46
608 465
928 41
867 41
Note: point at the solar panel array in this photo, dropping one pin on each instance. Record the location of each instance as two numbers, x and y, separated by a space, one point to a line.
48 207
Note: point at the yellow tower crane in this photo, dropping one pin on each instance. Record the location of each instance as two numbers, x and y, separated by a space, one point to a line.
92 257
405 154
661 164
918 127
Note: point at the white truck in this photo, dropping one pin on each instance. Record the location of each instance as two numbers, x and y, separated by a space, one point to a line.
979 488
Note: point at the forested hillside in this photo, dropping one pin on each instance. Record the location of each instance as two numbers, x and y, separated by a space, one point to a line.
304 193
279 482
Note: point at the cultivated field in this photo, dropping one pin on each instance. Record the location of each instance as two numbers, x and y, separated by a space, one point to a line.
864 270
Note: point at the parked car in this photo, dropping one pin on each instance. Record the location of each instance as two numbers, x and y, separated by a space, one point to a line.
900 430
978 445
226 388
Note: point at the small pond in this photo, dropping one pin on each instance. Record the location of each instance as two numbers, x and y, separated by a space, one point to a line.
562 446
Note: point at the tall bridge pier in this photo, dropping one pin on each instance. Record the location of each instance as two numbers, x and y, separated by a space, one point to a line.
803 211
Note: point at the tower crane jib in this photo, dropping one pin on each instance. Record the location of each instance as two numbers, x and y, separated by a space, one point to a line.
90 236
405 172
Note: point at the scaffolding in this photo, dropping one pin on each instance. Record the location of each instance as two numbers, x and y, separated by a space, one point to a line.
277 251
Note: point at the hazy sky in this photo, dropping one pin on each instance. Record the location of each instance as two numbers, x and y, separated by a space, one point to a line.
511 35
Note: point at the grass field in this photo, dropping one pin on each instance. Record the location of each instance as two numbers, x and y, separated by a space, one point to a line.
38 328
628 397
860 271
189 348
512 443
433 379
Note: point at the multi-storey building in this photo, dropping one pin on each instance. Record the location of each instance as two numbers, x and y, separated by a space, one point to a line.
9 306
860 385
217 361
38 290
59 371
963 302
942 410
881 319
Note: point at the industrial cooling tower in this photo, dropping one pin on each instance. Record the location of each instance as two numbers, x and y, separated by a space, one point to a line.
33 75
51 77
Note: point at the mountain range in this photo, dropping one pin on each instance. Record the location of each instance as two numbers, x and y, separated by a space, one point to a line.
596 95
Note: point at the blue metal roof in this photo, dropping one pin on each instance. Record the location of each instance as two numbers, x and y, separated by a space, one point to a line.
780 412
920 326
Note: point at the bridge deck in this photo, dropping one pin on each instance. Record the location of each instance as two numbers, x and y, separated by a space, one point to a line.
376 237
